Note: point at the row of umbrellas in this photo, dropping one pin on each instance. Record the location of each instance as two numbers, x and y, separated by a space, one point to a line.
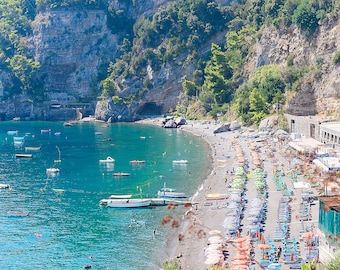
214 251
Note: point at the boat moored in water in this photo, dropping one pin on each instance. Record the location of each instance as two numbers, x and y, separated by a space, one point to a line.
166 192
120 174
52 170
128 203
181 161
12 132
45 131
32 148
137 162
18 141
17 213
107 160
120 196
3 186
19 155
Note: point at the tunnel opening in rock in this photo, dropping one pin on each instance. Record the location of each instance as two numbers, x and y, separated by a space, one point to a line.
150 108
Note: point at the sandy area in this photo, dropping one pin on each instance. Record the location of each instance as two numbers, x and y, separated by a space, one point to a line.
192 235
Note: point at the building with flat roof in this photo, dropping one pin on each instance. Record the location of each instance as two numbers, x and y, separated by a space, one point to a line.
330 133
309 126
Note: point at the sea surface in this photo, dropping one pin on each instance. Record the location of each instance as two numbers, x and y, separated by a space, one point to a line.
66 227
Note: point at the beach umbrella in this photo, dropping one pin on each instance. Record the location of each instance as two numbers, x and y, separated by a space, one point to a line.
263 247
240 240
242 249
240 262
213 252
307 235
215 237
240 257
216 241
213 232
212 260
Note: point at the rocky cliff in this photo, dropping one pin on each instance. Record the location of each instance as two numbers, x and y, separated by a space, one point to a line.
74 48
71 47
320 87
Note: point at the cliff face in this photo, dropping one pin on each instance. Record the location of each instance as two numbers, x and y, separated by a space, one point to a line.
320 88
71 46
74 48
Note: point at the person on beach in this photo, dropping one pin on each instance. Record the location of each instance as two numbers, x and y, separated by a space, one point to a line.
278 253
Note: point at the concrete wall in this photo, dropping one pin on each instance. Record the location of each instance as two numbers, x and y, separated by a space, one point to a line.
309 126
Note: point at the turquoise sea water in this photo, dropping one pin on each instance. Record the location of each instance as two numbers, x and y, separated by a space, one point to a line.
69 230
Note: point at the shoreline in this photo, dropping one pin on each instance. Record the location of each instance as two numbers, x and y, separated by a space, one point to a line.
194 228
190 240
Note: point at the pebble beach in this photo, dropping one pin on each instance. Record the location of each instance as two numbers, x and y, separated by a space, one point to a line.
208 219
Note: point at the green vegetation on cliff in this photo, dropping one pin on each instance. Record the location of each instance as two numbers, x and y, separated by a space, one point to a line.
181 33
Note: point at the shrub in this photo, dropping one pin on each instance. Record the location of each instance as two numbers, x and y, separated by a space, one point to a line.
336 59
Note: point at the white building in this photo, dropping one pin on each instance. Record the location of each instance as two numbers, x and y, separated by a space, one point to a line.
330 133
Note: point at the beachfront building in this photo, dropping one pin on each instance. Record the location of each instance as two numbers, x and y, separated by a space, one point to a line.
308 126
330 134
329 227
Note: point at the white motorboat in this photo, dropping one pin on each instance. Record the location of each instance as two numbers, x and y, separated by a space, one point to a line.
137 162
17 213
121 196
181 161
19 155
170 193
5 186
128 203
52 170
18 141
12 132
121 174
32 148
107 160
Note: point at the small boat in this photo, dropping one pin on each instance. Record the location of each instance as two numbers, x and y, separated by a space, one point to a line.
107 160
17 213
55 106
58 190
170 193
19 155
52 170
18 141
57 133
68 124
32 148
98 133
121 196
120 174
182 161
115 196
12 132
137 162
45 131
3 186
128 203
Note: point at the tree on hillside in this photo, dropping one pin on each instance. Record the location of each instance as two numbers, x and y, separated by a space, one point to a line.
24 69
217 73
305 17
264 88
